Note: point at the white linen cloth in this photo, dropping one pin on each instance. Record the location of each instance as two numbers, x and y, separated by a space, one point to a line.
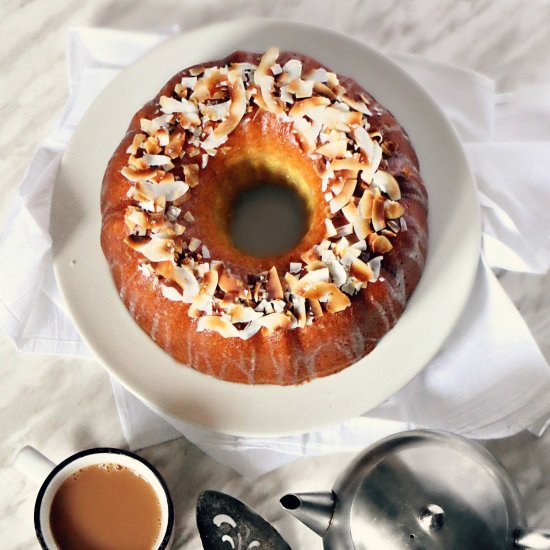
489 379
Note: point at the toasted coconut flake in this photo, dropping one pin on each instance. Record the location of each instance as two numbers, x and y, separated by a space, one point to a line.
274 321
135 217
350 255
273 285
185 278
337 271
379 243
375 265
316 308
236 113
202 269
191 174
156 160
155 250
324 90
170 105
137 163
344 230
244 314
285 95
357 105
299 310
301 88
330 229
209 283
387 184
378 214
272 103
189 82
328 292
374 163
147 270
364 142
312 278
165 269
393 210
152 146
361 227
317 75
292 69
311 107
258 99
268 59
171 293
361 271
366 204
194 244
350 211
207 87
146 126
353 165
341 246
205 252
188 217
162 136
136 142
217 111
167 178
189 120
337 119
152 191
264 306
278 305
295 267
134 175
307 133
230 283
343 197
334 149
221 325
175 144
249 330
291 281
315 265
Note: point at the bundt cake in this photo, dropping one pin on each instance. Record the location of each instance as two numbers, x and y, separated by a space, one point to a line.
222 127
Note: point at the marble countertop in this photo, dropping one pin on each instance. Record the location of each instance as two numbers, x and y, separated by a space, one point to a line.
61 405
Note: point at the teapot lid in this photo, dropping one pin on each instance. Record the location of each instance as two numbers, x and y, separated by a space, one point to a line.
430 490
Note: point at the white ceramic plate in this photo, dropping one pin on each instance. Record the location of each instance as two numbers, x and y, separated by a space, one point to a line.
144 368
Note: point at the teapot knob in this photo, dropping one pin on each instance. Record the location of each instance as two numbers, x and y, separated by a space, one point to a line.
432 517
531 539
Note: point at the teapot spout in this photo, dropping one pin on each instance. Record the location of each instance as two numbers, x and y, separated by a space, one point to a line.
313 509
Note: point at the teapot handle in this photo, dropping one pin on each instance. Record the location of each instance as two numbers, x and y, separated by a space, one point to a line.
532 539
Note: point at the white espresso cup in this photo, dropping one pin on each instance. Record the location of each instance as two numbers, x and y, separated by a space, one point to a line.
51 476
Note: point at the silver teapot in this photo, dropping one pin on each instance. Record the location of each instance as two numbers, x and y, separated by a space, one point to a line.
421 490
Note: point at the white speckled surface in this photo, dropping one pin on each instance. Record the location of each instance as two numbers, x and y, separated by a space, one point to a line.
65 405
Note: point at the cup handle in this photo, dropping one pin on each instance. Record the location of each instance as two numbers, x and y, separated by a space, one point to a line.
33 464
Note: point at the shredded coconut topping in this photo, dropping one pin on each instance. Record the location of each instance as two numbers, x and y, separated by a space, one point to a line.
332 127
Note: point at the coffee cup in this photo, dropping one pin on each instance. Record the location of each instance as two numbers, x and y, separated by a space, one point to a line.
102 498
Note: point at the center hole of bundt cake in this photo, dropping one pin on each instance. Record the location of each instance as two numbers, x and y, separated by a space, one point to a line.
268 219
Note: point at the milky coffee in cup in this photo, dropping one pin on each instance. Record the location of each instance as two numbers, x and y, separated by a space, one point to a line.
100 499
105 506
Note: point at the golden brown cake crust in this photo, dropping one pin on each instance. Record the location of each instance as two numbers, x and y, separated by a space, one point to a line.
333 341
